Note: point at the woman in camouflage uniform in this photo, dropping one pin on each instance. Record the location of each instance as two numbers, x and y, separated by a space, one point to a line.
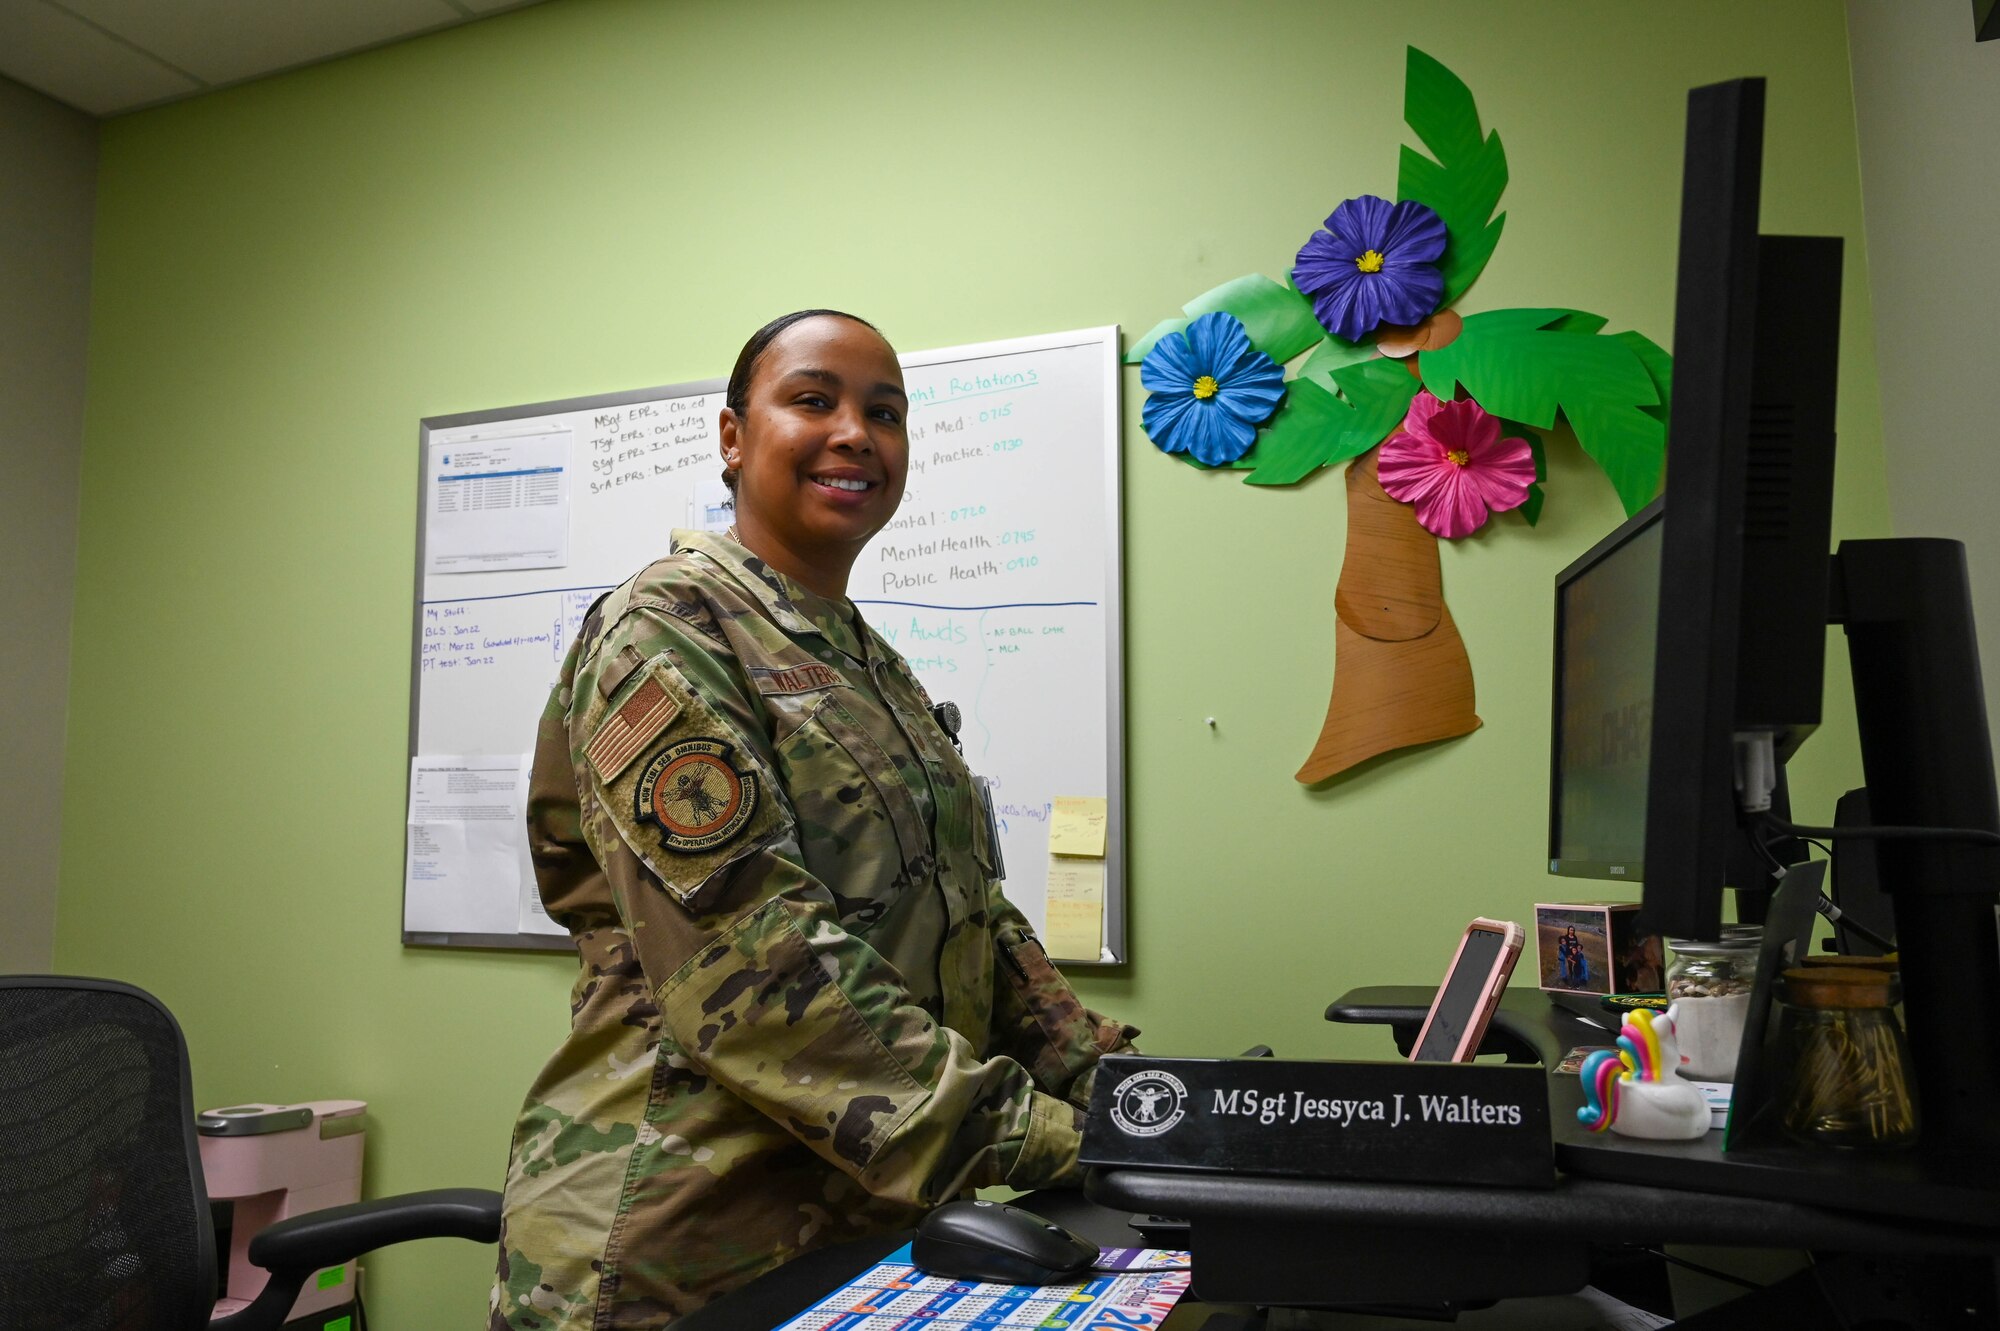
804 1012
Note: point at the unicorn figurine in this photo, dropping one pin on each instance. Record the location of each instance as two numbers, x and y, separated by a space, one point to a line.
1638 1091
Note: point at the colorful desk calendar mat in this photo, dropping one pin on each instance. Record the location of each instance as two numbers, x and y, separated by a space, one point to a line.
896 1296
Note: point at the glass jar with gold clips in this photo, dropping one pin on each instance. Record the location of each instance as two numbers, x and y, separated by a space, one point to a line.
1844 1065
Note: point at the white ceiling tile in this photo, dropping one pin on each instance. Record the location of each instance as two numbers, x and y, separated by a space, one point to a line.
55 54
228 41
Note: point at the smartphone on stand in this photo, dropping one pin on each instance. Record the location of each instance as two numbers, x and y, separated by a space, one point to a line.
1471 990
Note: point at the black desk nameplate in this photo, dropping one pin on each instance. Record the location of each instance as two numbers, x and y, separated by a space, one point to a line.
1389 1122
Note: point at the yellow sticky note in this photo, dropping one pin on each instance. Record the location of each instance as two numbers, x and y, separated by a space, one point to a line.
1077 825
1074 918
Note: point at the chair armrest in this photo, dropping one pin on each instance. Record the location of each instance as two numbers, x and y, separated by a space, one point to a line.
338 1234
1523 1028
1401 1007
293 1249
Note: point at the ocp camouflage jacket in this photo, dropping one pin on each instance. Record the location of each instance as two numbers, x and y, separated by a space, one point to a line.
804 1010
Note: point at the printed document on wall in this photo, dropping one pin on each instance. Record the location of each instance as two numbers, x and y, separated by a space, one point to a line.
498 502
463 870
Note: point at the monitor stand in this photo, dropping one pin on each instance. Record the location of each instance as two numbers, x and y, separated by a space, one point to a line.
1927 757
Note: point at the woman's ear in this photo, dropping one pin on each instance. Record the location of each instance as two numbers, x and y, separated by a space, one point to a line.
729 427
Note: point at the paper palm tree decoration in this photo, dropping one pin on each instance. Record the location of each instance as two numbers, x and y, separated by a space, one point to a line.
1436 414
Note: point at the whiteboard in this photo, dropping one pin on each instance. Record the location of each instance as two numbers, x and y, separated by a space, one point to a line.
998 580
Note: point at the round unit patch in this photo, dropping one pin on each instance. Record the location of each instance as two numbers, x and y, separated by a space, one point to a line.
695 797
1146 1104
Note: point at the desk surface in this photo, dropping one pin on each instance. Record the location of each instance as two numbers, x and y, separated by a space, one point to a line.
1908 1202
1923 1183
1315 1243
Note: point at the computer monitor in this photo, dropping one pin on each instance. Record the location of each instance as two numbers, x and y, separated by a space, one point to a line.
1745 591
1704 616
1607 605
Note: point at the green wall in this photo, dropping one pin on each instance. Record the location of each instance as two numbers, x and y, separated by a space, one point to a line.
48 159
593 195
1927 96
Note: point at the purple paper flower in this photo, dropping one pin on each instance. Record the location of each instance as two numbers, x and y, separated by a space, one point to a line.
1375 263
1210 390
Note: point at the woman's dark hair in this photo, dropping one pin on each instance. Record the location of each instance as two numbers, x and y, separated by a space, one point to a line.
737 399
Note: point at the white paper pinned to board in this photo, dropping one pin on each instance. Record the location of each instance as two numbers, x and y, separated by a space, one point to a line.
499 503
465 849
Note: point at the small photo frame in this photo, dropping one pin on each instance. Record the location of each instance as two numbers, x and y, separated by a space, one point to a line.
1595 947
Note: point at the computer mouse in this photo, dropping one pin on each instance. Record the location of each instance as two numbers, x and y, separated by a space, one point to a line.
999 1244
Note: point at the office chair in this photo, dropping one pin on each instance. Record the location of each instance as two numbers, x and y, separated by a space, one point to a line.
104 1221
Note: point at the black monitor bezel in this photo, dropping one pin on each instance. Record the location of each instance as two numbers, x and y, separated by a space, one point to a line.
1690 786
1620 537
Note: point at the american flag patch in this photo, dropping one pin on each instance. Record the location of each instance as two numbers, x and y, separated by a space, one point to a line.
627 731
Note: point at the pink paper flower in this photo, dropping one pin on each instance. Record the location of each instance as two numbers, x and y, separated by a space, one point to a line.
1449 460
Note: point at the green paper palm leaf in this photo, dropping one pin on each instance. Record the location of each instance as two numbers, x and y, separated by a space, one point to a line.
1329 356
1315 429
1531 507
1278 319
1528 365
1658 364
1463 186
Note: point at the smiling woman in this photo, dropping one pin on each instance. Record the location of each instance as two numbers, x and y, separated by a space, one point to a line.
804 1012
815 442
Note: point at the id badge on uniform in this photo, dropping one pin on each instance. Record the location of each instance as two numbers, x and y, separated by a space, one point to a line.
985 790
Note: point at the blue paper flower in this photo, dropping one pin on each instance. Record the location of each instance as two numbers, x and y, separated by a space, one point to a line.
1375 263
1210 390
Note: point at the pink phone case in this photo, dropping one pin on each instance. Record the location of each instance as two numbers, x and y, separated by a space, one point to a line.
1486 997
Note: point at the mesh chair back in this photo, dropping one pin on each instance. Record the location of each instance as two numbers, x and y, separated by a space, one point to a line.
103 1218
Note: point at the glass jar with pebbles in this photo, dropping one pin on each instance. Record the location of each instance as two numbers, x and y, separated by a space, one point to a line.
1709 984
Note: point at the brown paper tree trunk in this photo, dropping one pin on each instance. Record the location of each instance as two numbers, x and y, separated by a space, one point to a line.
1400 673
